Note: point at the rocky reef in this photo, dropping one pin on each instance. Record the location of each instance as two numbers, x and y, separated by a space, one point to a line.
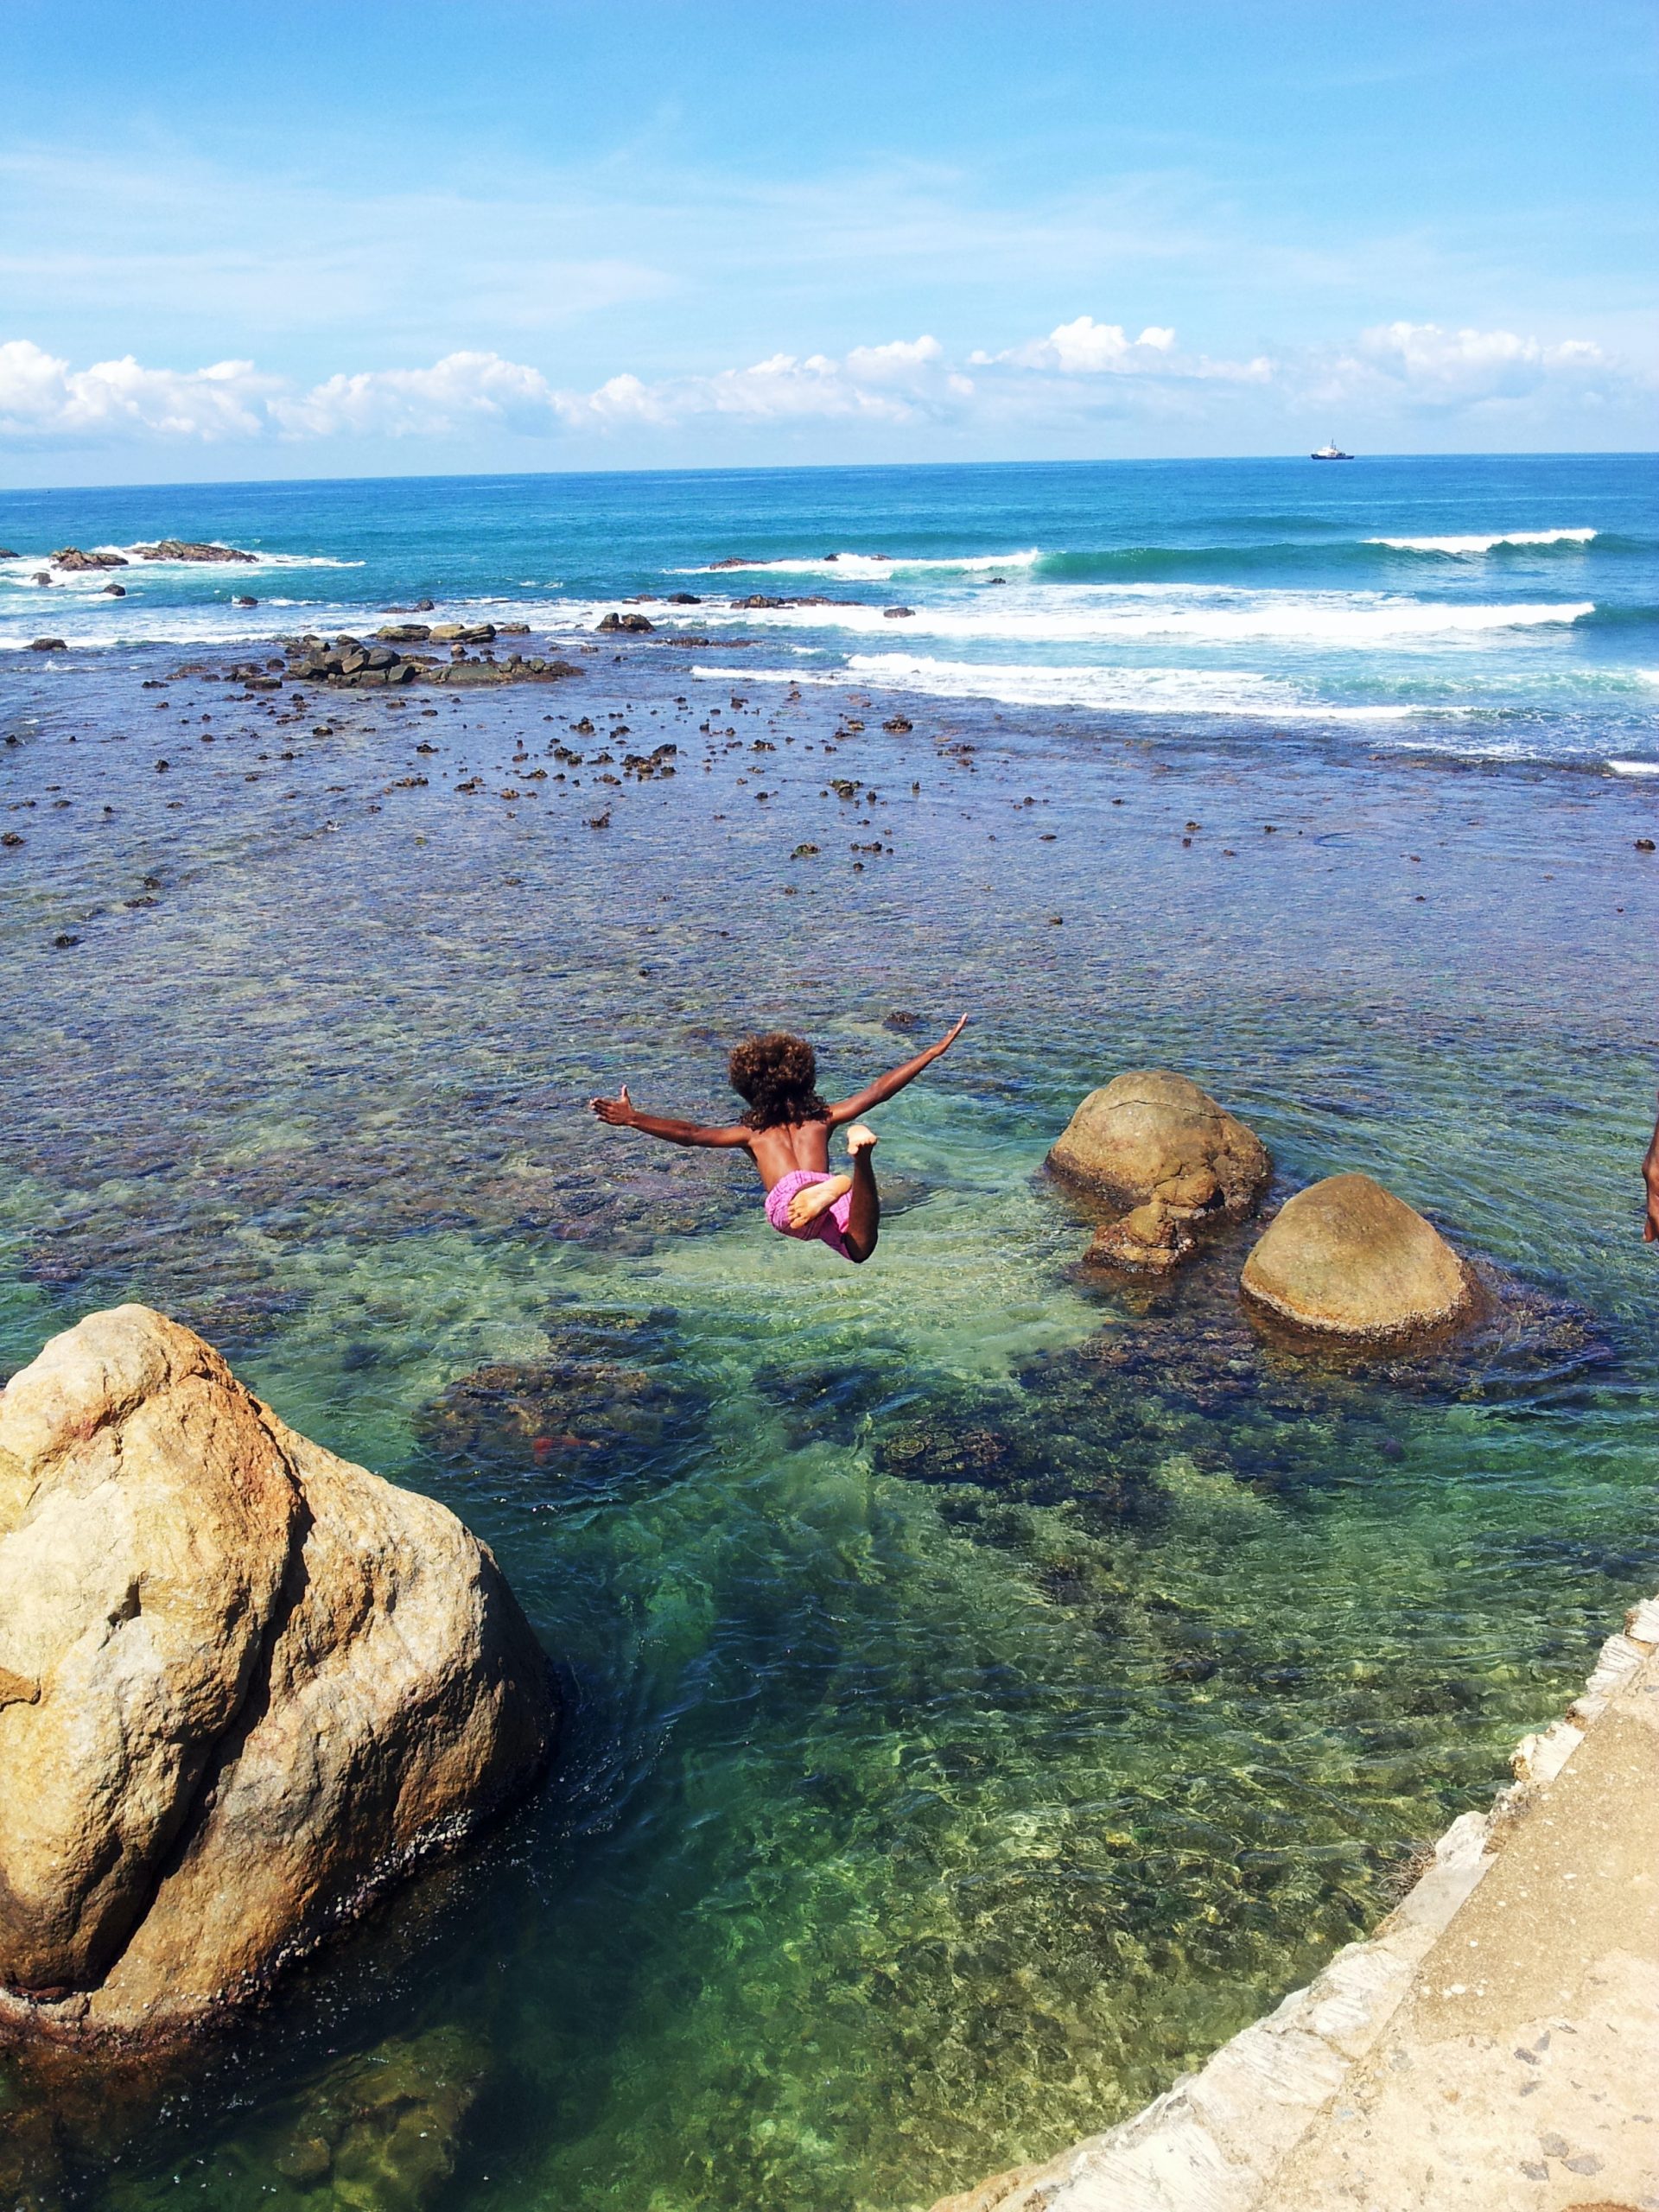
243 1686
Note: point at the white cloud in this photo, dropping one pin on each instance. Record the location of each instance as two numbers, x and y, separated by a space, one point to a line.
1082 371
1085 347
461 391
1464 364
42 396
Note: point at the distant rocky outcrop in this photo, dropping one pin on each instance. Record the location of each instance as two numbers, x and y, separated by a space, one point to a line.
1152 1139
47 645
243 1686
638 622
1347 1258
348 660
71 558
176 549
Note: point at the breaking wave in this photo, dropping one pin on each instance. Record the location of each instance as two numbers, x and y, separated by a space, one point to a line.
1459 547
1231 692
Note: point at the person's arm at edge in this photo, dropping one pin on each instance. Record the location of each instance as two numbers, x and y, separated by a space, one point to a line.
887 1086
1650 1176
622 1114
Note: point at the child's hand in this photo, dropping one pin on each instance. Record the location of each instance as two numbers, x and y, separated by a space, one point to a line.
618 1110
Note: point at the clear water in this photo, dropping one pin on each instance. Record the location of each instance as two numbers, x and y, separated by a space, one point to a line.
988 1690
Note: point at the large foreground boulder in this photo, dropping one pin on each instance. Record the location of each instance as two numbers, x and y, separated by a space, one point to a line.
1152 1135
1348 1258
243 1686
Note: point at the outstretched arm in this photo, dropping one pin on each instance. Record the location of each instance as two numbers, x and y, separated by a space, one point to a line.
887 1086
1650 1175
623 1114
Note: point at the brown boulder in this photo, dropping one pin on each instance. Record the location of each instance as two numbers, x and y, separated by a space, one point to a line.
1348 1258
1153 1135
1149 1241
249 1685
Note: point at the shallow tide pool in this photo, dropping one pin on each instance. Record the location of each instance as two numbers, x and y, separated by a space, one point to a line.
987 1688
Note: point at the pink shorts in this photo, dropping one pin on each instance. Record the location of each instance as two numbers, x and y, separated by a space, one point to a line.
830 1227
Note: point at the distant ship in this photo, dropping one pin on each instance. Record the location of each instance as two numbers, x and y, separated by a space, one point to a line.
1332 451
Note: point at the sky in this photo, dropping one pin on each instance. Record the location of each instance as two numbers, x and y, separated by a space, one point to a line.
309 240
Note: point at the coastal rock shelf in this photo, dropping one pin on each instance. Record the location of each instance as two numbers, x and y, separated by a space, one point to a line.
1495 2044
243 1686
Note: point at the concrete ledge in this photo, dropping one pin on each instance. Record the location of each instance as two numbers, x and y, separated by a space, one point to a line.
1496 2043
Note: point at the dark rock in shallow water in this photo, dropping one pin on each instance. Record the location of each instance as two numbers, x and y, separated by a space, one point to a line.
634 622
47 645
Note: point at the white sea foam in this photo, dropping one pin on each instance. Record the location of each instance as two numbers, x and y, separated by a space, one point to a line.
1634 768
1467 545
872 567
1232 692
1085 615
27 565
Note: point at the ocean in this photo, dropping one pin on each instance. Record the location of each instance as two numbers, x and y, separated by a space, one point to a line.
1489 608
989 1684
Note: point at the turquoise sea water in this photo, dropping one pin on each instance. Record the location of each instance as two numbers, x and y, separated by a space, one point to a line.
1496 606
987 1688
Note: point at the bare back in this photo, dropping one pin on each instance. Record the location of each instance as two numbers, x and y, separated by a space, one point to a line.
787 1147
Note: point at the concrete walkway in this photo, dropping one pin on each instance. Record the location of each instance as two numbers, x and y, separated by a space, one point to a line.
1495 2045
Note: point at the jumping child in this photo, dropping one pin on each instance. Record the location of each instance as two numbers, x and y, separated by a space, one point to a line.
787 1134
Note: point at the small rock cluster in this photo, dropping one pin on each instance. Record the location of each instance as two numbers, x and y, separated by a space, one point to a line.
1343 1259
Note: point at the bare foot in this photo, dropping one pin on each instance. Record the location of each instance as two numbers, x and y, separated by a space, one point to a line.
816 1199
859 1138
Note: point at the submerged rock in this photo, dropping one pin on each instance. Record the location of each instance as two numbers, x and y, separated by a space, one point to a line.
1151 1240
1155 1135
609 1397
1348 1258
249 1685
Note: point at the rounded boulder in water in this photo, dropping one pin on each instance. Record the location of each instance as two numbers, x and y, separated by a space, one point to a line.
243 1686
1153 1134
1348 1259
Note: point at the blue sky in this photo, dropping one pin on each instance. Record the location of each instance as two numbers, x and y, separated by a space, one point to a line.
306 240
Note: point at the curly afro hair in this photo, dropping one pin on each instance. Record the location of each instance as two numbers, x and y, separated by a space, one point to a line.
777 1074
